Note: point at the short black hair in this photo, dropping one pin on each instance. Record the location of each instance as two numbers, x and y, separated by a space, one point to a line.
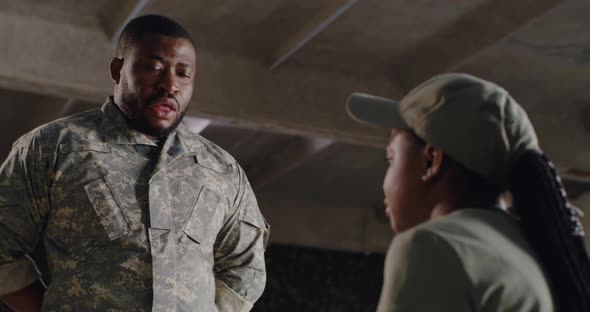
140 27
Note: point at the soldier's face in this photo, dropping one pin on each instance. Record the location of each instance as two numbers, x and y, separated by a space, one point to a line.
403 186
156 83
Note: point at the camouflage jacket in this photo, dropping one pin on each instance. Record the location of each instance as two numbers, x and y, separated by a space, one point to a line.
128 225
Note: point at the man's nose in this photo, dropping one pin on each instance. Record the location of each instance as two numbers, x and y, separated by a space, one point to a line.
168 82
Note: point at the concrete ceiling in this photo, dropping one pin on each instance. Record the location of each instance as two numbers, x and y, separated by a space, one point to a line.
274 76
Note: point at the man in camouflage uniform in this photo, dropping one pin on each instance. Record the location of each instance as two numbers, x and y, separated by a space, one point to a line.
135 212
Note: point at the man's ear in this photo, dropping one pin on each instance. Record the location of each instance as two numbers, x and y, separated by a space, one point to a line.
115 69
434 158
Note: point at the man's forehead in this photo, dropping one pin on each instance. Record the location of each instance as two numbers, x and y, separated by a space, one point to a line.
156 44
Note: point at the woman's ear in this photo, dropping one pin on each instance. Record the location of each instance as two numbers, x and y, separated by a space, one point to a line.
433 157
115 69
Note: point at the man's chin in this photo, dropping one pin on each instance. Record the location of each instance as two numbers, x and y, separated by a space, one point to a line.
156 132
159 129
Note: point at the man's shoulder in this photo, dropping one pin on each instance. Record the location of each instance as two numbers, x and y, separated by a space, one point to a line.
208 153
51 133
83 120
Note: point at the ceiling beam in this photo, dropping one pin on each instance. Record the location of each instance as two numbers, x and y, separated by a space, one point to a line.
228 88
286 157
310 30
576 175
575 188
462 39
67 107
306 102
195 124
75 106
116 14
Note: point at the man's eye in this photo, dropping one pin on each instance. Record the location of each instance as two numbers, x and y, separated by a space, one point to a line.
185 75
154 68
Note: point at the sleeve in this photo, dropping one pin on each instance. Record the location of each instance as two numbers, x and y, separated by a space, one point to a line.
423 273
240 273
23 206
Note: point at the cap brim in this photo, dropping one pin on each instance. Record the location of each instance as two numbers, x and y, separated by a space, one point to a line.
375 110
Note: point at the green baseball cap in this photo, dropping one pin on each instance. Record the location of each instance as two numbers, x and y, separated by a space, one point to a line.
475 122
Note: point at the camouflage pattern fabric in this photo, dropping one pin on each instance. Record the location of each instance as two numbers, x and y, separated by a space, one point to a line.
127 224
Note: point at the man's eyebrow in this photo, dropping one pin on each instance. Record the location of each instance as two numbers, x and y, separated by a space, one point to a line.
161 59
156 57
183 64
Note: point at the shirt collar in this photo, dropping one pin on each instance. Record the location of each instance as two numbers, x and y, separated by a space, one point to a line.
188 139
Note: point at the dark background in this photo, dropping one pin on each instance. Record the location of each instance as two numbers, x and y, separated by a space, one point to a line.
310 279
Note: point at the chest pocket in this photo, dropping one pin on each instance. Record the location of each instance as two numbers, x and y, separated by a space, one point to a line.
86 214
107 208
205 221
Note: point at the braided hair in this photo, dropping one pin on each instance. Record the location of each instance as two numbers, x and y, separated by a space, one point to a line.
554 230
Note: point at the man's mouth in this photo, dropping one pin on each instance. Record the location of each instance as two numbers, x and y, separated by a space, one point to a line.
165 104
163 109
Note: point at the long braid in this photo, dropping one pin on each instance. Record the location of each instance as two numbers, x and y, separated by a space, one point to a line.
553 229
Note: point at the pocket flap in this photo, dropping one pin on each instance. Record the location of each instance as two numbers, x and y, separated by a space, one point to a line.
83 146
107 208
212 164
254 217
200 220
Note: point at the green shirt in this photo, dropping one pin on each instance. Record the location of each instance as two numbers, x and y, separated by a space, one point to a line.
128 225
469 260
